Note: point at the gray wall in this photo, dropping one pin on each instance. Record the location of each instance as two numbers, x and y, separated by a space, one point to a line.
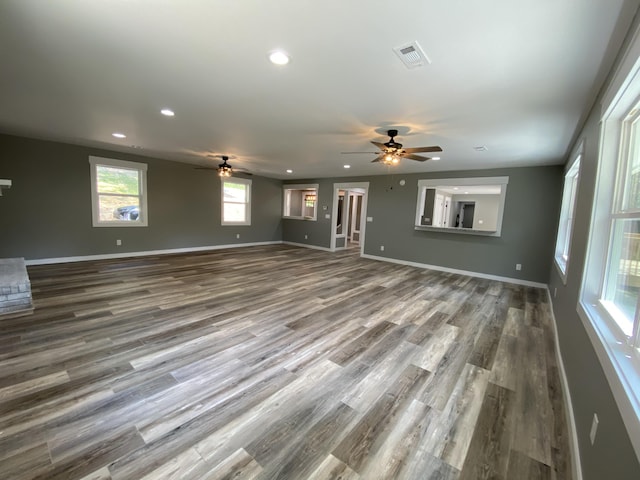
47 211
319 231
612 456
429 201
528 230
486 210
295 204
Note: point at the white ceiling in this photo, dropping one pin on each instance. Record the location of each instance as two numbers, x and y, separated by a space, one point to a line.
513 75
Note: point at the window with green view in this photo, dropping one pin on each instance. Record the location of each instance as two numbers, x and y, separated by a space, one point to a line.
118 191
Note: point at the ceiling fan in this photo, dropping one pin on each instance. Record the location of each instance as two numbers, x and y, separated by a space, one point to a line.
224 169
391 152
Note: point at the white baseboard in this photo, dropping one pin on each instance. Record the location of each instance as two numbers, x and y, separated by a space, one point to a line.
304 245
109 256
576 466
460 272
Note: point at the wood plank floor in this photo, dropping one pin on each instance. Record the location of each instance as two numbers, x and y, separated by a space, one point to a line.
278 362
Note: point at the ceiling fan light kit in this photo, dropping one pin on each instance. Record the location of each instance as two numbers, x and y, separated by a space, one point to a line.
224 169
391 159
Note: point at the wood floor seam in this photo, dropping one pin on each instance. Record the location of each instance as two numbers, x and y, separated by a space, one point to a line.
278 363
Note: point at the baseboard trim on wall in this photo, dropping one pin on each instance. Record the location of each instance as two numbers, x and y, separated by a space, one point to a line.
305 245
110 256
576 466
517 281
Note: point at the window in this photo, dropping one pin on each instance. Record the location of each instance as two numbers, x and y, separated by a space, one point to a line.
118 192
300 202
622 273
567 212
236 201
609 304
472 205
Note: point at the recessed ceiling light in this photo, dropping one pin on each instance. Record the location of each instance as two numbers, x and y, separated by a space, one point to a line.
119 135
435 158
289 170
347 166
167 112
278 57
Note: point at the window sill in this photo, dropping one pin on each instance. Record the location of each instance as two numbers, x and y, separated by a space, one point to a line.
620 364
464 231
308 219
561 266
121 224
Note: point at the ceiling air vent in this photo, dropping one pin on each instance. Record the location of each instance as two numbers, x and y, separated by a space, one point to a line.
412 55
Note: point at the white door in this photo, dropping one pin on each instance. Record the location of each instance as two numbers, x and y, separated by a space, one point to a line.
446 221
437 210
356 217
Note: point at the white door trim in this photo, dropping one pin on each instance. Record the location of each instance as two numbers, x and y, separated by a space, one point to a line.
363 214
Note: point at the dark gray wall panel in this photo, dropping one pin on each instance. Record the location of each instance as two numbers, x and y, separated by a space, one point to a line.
47 211
528 231
318 232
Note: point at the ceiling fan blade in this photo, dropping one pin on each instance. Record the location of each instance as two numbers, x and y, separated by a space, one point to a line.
381 146
416 157
434 148
347 153
377 159
206 168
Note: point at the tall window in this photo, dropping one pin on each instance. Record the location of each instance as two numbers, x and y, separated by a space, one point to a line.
622 276
567 212
118 192
236 201
609 304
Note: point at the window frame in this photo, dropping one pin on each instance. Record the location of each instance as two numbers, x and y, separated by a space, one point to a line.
141 168
302 187
562 253
619 358
247 203
425 184
620 212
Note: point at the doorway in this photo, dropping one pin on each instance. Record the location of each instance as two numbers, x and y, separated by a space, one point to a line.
466 212
349 216
354 231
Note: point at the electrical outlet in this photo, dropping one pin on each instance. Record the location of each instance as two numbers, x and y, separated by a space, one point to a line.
369 219
518 266
306 237
594 428
555 292
118 242
237 235
382 248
